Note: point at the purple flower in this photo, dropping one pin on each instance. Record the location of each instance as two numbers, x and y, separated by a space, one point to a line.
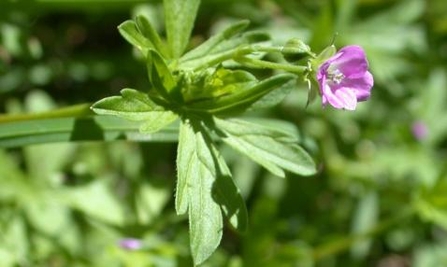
130 243
344 78
420 130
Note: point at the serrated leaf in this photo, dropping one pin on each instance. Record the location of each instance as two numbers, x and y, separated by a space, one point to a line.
196 177
244 98
179 19
148 31
131 105
136 106
273 148
130 32
206 47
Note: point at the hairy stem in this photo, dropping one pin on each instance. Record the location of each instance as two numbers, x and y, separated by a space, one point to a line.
257 63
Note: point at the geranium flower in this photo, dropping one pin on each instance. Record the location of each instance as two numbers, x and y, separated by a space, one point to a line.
420 130
344 78
130 243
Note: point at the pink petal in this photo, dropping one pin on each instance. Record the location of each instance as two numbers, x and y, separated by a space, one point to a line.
361 86
351 61
341 98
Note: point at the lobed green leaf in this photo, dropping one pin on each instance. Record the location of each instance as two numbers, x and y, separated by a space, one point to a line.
179 19
275 149
136 106
197 174
148 31
129 30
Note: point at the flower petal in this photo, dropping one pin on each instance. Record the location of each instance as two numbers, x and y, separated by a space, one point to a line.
340 98
361 86
351 61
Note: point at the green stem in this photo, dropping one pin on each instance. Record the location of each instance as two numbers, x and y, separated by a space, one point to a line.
345 243
257 63
80 110
199 64
240 54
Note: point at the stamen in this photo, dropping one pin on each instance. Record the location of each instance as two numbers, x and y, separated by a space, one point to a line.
335 76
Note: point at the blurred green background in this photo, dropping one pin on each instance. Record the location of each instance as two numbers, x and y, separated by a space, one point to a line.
379 199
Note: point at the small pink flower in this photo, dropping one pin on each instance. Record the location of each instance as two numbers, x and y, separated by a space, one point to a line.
344 78
420 130
130 243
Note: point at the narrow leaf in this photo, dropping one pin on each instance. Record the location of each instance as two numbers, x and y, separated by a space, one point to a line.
275 149
196 177
185 154
205 48
179 19
159 74
132 105
146 29
71 129
226 48
130 32
273 98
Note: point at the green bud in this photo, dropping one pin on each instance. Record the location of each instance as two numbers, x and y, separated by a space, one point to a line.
295 50
214 83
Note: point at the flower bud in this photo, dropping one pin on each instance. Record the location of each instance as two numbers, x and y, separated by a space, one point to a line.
295 50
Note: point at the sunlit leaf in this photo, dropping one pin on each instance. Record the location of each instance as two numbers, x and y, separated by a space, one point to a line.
197 174
242 99
148 31
273 148
136 106
130 32
179 19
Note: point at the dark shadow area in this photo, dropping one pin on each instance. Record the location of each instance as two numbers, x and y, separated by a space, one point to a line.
86 129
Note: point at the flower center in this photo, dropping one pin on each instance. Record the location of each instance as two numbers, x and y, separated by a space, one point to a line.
335 76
